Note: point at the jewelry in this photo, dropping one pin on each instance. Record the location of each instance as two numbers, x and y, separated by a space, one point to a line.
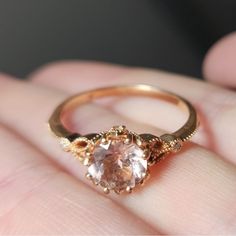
119 159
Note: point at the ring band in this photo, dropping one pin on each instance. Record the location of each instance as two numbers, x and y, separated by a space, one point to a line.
119 159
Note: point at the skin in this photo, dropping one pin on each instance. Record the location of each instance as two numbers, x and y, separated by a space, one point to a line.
43 189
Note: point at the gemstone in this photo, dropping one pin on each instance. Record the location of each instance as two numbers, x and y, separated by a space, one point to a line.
117 165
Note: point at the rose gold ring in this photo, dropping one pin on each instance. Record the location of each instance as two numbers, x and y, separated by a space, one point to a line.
119 159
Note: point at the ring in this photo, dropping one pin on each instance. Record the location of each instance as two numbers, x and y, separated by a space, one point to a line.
119 159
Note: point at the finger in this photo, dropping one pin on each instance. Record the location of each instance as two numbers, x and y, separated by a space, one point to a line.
216 106
219 64
39 198
169 201
84 69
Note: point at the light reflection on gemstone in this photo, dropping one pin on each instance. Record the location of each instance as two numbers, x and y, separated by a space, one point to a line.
117 165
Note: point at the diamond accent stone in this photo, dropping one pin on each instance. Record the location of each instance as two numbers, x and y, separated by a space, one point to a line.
116 164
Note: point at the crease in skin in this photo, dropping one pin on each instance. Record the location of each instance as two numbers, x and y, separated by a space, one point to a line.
12 175
19 172
24 140
27 195
116 220
62 197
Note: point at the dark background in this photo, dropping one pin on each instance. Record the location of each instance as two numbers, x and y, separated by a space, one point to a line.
169 34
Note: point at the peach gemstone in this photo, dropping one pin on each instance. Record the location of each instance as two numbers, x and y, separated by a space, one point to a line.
117 165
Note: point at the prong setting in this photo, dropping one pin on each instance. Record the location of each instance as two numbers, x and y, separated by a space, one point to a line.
106 190
104 141
138 141
128 140
146 154
128 189
98 153
88 176
123 142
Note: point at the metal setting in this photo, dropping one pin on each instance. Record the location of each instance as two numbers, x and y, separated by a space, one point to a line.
118 160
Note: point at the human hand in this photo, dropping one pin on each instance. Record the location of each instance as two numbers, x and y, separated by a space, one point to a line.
42 189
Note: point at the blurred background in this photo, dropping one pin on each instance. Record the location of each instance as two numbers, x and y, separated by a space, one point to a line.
167 34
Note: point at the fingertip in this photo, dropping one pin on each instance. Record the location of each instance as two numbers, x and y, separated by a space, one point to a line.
219 65
55 72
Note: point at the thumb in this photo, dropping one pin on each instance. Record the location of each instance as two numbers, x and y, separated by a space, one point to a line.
219 65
